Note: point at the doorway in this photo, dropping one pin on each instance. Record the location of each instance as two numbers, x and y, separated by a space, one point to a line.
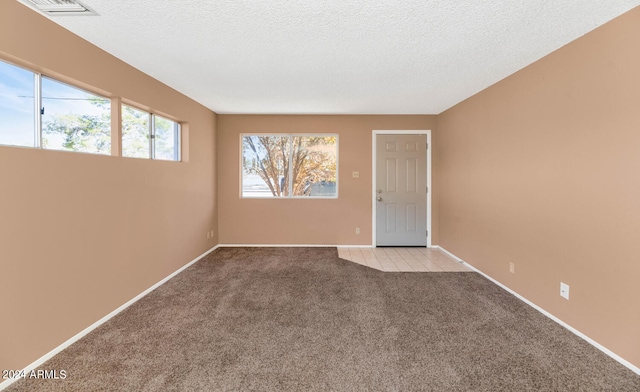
401 188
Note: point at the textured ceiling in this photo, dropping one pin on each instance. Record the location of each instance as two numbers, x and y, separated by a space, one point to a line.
335 56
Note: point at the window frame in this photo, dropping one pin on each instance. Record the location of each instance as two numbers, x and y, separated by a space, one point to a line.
177 134
39 109
42 112
115 117
290 195
149 126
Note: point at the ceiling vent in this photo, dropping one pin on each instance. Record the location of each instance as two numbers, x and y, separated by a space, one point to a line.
60 7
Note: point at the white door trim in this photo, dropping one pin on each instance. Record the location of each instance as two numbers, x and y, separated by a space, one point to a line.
374 177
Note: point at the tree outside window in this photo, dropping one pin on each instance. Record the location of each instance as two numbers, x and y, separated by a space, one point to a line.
289 165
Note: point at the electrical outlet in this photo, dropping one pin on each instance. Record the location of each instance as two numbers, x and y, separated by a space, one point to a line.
357 230
355 174
512 268
564 290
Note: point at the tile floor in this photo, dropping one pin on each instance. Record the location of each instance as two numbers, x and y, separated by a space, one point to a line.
403 259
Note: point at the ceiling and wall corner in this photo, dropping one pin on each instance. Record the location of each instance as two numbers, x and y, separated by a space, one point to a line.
335 57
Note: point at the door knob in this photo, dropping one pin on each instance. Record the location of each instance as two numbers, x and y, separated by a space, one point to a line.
379 199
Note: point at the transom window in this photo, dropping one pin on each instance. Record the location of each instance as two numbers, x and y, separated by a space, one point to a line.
38 111
146 135
17 106
290 165
136 134
74 120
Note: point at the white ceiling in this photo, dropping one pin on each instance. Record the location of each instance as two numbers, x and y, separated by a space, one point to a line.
335 56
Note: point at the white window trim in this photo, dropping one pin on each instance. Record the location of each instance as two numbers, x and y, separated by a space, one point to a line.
290 135
38 107
177 134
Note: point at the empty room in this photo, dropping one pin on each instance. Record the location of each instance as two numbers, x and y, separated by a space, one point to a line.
324 196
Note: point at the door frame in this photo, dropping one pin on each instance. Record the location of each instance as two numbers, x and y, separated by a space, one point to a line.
374 138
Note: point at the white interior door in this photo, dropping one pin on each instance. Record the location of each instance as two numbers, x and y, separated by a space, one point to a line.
401 190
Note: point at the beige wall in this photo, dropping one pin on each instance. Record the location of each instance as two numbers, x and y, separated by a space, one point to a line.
81 234
303 221
541 170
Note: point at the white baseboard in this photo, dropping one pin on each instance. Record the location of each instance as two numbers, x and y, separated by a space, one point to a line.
103 320
597 345
90 328
291 246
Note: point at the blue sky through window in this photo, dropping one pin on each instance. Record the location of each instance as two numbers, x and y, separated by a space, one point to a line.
17 119
18 107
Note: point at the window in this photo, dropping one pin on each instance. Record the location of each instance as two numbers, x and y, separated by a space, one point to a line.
166 137
136 136
146 135
289 166
36 111
74 120
17 106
